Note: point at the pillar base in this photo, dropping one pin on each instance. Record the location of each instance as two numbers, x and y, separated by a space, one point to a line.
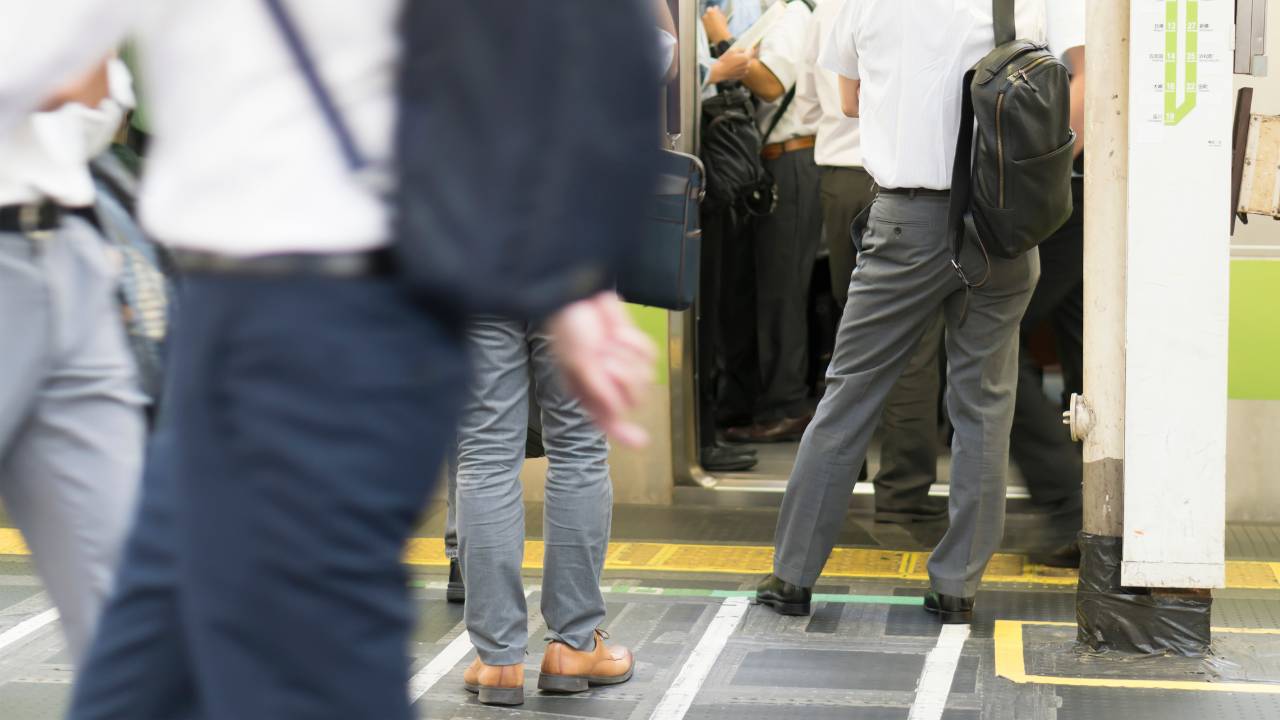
1113 618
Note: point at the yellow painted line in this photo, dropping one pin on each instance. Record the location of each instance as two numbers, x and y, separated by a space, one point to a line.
865 563
11 543
1011 665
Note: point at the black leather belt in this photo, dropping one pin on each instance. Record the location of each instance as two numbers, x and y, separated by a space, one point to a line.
375 263
914 192
35 217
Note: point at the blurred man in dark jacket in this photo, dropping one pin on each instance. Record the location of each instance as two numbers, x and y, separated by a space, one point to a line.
315 360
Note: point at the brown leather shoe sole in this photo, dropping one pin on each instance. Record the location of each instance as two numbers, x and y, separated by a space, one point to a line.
506 697
580 683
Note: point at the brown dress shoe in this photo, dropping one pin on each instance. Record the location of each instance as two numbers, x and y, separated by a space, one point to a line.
495 684
786 430
565 670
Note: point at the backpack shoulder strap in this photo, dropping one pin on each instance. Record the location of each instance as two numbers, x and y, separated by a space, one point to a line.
962 196
777 116
962 170
1003 11
297 45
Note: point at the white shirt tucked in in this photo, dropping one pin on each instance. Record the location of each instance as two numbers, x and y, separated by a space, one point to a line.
242 162
838 135
783 52
911 58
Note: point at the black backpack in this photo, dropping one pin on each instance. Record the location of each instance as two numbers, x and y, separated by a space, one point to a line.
1014 184
731 145
730 150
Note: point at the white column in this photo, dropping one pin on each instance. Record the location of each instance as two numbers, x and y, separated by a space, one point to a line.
1177 286
1105 233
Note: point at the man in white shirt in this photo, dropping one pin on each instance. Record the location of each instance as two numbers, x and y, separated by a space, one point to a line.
901 67
311 394
766 333
71 412
909 425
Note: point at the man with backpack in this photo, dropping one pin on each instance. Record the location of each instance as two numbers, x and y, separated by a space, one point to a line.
766 328
916 74
318 364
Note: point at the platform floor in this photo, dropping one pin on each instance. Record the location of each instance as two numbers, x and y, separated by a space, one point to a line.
679 580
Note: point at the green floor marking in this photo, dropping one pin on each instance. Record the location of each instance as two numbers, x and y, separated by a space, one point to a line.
718 594
822 597
1174 112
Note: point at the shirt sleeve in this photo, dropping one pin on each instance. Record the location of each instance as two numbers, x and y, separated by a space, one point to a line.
46 43
840 53
1066 20
782 50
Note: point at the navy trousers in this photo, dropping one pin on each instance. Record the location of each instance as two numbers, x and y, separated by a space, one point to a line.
263 578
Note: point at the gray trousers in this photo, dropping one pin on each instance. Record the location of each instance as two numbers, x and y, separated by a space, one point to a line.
71 417
451 480
903 277
909 424
490 502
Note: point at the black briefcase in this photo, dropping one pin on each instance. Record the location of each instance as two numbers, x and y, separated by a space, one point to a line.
663 270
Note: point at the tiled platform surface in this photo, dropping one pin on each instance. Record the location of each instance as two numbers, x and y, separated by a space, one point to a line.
860 655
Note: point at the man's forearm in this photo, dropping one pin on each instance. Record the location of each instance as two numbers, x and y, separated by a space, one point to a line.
850 101
1075 57
761 81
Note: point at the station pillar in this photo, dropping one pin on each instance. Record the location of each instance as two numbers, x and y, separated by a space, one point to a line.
1156 277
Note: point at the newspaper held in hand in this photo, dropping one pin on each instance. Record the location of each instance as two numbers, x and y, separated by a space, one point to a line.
763 26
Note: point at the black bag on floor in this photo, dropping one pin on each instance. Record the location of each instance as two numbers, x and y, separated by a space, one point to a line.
1013 179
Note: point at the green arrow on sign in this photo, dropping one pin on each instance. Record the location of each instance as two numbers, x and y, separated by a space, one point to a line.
1173 111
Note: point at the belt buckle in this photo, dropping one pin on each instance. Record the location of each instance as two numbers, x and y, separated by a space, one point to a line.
29 222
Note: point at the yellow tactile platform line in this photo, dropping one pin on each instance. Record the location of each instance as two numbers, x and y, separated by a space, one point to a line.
1011 663
758 560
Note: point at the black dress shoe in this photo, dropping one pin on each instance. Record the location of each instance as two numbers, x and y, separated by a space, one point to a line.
930 509
457 591
779 431
726 458
950 609
784 597
1063 556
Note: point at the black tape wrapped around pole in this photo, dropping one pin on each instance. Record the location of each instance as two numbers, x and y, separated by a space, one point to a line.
1113 618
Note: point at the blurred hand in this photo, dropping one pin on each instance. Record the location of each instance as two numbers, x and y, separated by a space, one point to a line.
607 362
730 67
89 90
716 25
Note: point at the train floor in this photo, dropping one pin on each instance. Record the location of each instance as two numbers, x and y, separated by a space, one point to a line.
678 582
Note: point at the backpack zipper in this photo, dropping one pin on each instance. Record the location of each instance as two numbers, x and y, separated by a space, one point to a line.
1014 77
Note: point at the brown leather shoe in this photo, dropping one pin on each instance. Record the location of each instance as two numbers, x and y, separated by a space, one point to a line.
495 684
565 670
787 430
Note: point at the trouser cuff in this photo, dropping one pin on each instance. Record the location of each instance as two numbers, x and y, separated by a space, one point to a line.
796 577
511 656
954 588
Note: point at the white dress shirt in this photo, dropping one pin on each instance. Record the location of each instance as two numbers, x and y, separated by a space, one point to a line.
242 163
838 135
1066 24
783 52
911 58
46 156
